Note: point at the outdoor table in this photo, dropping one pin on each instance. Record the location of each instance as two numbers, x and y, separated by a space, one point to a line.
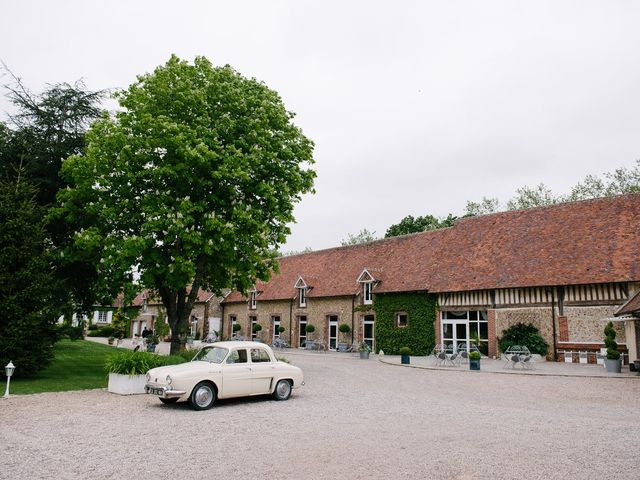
517 355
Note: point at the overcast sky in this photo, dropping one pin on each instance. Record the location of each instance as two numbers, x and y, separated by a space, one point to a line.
414 107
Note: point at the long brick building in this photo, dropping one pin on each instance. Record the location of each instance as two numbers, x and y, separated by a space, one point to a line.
565 268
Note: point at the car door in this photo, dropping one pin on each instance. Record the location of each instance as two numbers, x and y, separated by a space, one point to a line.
262 371
236 374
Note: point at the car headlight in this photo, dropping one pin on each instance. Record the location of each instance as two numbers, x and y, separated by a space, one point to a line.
148 377
168 379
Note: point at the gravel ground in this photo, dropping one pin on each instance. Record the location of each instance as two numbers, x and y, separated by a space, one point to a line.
354 419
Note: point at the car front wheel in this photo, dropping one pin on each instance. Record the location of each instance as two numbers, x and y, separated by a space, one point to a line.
203 396
282 390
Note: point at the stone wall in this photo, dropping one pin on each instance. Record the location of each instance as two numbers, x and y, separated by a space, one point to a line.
586 324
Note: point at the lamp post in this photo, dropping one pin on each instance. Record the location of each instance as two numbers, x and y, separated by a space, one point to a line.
8 370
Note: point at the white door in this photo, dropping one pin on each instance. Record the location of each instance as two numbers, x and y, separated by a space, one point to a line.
134 328
214 324
333 332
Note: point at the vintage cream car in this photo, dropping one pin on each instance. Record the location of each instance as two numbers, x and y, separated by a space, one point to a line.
224 370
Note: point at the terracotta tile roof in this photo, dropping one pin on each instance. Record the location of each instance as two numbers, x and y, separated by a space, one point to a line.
631 307
592 241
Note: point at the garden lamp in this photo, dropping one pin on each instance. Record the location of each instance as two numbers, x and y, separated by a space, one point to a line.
8 370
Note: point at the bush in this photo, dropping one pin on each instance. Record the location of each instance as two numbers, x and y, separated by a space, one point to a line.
344 328
188 355
138 363
310 328
364 347
475 355
75 333
523 334
256 328
610 342
405 351
281 329
92 327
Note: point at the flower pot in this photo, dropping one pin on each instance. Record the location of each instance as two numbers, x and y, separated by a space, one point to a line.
474 364
126 384
364 355
151 347
405 359
613 366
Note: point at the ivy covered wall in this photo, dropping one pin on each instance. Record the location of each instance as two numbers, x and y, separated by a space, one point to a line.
419 334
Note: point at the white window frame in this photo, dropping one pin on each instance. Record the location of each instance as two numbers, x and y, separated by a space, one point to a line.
253 300
405 314
302 296
367 294
103 316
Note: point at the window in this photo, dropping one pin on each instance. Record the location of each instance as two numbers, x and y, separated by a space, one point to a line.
402 319
237 356
233 320
253 300
102 317
253 319
259 355
302 295
368 295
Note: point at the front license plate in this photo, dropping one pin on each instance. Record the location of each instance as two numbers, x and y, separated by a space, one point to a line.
156 391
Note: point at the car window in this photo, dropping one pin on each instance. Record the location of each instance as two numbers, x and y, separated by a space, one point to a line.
237 356
259 355
211 354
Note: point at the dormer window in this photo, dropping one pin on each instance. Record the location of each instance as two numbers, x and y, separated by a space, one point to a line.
253 300
367 281
367 295
302 288
302 296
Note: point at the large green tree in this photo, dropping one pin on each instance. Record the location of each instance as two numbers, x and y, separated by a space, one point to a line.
26 315
411 224
191 185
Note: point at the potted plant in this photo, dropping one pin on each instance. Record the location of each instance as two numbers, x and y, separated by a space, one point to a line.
152 342
256 328
344 329
474 360
281 330
364 350
612 362
405 353
236 328
127 371
111 340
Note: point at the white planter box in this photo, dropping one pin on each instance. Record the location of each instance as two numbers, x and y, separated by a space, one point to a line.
126 384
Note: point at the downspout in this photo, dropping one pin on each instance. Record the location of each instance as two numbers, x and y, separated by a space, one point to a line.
290 321
553 323
353 316
221 332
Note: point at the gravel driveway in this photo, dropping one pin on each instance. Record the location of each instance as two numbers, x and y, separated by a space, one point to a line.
354 419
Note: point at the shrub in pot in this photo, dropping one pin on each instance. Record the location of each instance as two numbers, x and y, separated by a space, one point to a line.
364 350
152 342
474 360
405 353
111 340
612 362
256 328
281 330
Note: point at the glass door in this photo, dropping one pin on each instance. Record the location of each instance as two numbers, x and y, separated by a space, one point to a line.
465 328
275 320
302 329
333 332
368 331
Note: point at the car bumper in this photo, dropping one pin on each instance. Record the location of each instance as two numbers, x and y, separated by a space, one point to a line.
163 392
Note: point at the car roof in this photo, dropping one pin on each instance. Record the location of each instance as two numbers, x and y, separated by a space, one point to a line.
239 344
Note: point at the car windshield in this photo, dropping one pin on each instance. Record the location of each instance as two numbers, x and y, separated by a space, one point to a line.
211 354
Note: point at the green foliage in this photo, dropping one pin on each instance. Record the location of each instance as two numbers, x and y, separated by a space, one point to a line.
618 182
310 328
27 319
419 334
610 342
281 329
344 328
128 362
484 207
193 181
523 334
256 328
92 327
162 329
528 197
106 331
364 347
361 237
188 354
474 355
409 224
236 327
405 351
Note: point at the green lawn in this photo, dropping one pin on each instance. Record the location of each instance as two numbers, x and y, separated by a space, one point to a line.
77 365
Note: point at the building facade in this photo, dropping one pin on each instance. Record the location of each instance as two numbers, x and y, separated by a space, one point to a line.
566 269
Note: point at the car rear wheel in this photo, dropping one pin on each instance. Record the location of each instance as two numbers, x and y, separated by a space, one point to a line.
167 401
282 390
203 396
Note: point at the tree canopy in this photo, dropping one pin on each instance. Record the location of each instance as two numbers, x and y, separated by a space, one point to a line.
410 224
362 236
191 185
